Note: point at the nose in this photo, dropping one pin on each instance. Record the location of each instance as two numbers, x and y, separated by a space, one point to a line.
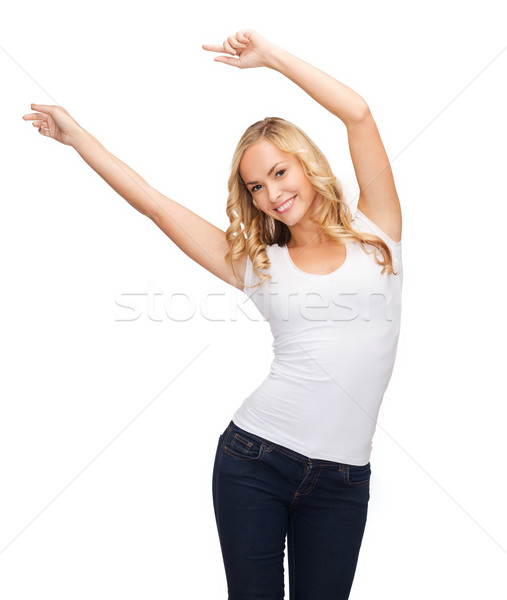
274 195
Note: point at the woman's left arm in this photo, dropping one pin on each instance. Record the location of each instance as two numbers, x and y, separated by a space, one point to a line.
378 198
336 97
250 49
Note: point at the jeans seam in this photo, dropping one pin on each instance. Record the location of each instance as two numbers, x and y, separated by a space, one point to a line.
315 479
246 456
237 436
217 478
354 484
293 556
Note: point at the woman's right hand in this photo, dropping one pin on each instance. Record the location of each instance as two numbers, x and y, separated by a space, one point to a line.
55 122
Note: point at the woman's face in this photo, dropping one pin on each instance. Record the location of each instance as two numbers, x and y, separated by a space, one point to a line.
276 180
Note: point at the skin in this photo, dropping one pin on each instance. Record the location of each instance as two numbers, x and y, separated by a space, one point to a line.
286 180
321 254
202 241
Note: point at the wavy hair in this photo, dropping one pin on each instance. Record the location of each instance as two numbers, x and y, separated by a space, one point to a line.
252 229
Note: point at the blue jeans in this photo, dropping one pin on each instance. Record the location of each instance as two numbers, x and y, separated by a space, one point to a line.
263 492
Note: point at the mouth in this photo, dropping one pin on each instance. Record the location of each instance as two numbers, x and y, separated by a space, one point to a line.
286 205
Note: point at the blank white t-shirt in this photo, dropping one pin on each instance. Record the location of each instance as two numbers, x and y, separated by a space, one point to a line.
335 338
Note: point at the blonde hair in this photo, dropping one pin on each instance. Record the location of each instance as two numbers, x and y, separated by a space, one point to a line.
259 229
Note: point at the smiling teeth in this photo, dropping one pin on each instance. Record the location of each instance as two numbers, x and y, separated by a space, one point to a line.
284 206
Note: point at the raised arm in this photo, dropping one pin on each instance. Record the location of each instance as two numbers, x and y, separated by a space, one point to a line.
197 238
378 198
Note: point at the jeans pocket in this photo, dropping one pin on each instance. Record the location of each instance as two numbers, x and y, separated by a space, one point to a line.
243 446
358 474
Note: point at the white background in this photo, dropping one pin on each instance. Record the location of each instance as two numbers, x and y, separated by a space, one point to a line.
108 427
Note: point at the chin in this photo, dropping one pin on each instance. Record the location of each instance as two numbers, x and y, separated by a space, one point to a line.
294 220
292 216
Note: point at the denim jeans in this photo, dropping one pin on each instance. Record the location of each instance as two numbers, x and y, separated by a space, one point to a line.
263 492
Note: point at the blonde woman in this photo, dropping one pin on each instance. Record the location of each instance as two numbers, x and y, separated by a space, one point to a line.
294 461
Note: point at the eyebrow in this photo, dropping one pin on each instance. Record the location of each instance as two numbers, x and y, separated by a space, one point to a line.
270 171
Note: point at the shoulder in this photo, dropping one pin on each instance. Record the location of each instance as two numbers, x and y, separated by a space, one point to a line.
272 250
274 254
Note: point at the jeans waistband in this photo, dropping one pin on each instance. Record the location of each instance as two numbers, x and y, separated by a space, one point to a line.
296 455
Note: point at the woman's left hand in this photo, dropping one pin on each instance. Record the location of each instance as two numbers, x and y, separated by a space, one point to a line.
251 49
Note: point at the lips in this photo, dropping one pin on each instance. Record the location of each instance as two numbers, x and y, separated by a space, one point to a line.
285 206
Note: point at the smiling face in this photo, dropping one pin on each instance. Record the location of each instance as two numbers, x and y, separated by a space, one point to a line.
276 180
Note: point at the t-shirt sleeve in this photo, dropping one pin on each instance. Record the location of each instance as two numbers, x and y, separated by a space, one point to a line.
361 222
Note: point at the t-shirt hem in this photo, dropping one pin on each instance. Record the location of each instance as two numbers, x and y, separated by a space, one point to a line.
346 460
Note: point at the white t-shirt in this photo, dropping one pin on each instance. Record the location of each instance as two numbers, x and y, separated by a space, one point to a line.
335 338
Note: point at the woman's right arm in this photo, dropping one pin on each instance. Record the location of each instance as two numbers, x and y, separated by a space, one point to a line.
197 238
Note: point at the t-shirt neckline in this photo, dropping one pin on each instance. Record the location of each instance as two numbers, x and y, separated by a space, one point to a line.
294 267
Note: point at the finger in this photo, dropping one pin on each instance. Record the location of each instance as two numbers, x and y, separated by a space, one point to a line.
213 47
228 60
33 116
242 37
228 48
42 107
234 43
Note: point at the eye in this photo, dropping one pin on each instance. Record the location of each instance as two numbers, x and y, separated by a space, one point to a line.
256 186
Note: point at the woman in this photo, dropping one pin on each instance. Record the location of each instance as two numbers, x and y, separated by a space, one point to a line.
294 460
